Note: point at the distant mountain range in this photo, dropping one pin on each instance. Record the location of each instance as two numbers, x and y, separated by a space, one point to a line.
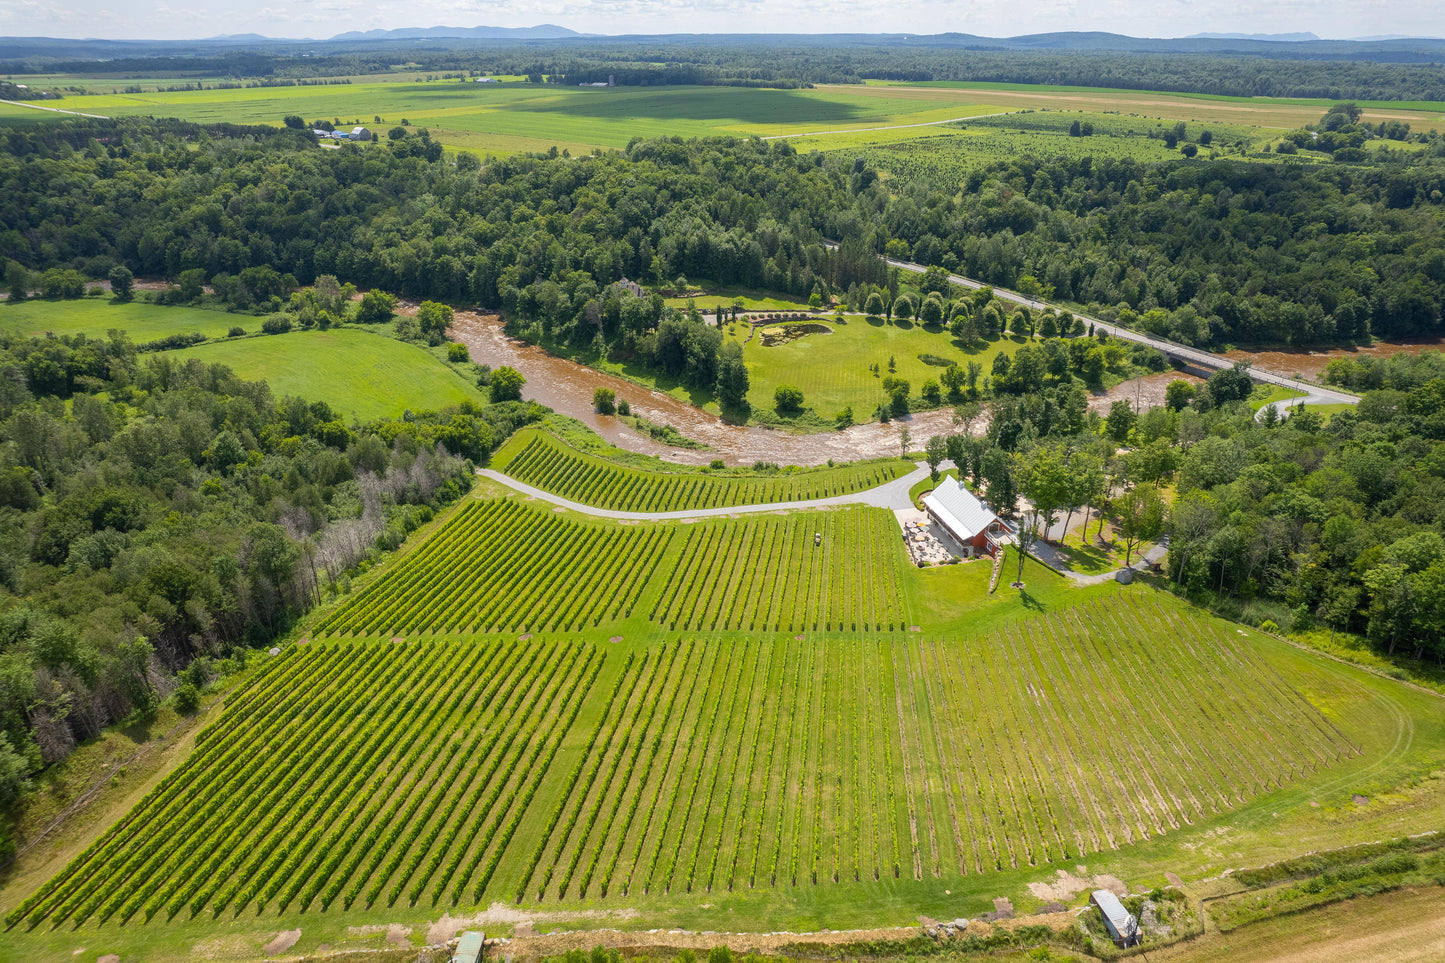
1300 46
1275 37
545 31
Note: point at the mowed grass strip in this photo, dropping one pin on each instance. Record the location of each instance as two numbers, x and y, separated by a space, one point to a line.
378 767
544 461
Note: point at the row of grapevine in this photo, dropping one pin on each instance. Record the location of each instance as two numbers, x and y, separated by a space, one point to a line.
822 571
501 564
354 773
376 768
544 461
1090 729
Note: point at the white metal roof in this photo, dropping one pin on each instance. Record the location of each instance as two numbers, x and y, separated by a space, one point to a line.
1118 918
959 509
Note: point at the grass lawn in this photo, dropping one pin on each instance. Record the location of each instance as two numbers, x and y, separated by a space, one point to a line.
752 300
1271 395
916 493
1086 555
95 316
362 376
1329 411
833 369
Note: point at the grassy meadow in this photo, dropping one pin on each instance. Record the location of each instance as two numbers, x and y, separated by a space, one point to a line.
95 317
833 370
360 374
795 775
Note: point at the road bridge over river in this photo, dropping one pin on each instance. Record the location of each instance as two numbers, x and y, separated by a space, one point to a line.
1312 394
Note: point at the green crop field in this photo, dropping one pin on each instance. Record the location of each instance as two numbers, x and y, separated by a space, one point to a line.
1261 112
362 375
505 118
812 572
728 723
94 317
417 754
499 564
423 773
544 461
512 117
833 369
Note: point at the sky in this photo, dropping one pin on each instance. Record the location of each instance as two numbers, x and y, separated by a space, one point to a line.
319 19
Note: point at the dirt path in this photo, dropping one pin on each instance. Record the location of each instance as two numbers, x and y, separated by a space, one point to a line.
566 387
557 943
74 113
1406 927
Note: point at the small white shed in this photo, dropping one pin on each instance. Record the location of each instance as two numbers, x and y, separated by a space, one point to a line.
1121 924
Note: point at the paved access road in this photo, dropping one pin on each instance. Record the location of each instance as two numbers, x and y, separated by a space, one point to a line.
1313 394
893 496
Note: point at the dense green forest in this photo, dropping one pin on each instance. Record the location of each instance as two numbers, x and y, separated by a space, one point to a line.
155 515
1303 522
1204 252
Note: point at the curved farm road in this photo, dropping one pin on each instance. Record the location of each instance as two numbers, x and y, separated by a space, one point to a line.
566 387
891 495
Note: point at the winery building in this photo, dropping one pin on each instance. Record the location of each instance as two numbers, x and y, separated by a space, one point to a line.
963 523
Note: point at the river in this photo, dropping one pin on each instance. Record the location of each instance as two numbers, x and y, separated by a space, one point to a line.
566 387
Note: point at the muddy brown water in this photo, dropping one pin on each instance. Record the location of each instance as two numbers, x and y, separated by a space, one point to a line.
1142 392
1310 363
566 387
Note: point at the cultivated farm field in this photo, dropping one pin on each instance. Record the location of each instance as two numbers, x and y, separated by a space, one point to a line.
500 564
544 461
508 118
447 773
824 571
719 723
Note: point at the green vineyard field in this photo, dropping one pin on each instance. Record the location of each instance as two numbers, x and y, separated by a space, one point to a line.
544 461
500 564
767 574
787 762
373 774
348 774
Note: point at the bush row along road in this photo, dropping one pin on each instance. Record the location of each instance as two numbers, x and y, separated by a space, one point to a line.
1313 394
